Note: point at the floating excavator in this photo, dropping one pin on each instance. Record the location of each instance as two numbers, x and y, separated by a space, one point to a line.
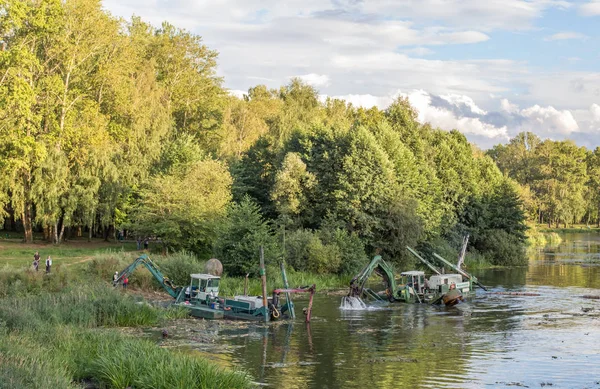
413 287
201 297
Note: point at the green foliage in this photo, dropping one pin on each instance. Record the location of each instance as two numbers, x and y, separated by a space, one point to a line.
182 209
117 124
179 266
240 237
560 178
503 249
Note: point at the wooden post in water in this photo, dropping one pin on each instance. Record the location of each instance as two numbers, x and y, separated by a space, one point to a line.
263 279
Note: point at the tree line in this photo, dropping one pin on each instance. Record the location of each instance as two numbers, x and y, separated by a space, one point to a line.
560 182
110 124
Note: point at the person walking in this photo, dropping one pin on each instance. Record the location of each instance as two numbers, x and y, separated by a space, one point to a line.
125 282
115 277
48 264
146 244
139 243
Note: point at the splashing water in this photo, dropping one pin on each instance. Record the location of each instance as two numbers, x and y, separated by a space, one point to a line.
352 304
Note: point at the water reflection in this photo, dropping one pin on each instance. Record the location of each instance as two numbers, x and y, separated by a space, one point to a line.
493 340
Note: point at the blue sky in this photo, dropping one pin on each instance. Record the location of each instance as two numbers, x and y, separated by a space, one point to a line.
490 69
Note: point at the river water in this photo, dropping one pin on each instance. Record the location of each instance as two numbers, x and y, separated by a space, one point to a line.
491 341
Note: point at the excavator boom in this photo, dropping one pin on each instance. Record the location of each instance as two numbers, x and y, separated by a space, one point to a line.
381 268
165 282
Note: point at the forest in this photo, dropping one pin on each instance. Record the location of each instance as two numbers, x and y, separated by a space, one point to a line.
116 125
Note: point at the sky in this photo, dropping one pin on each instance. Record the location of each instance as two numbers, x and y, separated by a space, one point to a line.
489 68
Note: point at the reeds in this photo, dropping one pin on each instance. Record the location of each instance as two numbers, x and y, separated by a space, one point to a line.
54 340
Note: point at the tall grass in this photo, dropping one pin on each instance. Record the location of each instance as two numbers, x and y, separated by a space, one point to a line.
55 339
60 356
231 286
24 364
90 306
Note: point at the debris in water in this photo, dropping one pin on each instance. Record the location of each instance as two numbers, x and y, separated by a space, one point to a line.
591 297
516 293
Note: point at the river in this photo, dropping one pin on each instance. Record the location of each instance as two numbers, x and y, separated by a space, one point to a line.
491 341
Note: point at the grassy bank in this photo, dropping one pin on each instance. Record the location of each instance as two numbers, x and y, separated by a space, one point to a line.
574 228
65 338
18 254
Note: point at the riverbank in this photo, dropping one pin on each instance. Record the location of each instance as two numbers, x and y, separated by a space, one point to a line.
579 228
62 331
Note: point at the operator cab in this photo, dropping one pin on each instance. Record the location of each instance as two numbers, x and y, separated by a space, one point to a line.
203 286
414 279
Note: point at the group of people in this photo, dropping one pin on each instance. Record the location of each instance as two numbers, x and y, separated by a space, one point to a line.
140 242
116 279
36 262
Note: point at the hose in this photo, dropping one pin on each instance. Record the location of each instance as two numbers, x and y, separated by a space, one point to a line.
275 313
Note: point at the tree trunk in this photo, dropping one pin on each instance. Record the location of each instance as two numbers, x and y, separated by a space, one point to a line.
62 233
55 232
27 224
90 229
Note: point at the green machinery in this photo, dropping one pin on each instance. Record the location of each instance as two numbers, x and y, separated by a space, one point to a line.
165 282
413 286
201 296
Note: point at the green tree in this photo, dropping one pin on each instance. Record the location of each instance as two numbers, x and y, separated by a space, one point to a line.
183 209
240 237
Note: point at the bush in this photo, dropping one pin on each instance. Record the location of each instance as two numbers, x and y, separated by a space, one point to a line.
330 250
179 266
351 249
503 249
297 251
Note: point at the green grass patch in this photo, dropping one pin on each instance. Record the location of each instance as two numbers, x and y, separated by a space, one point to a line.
17 254
59 339
575 228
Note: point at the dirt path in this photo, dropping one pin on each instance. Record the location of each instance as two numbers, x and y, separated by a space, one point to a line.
84 260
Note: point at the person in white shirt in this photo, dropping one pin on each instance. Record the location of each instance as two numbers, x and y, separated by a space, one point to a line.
48 264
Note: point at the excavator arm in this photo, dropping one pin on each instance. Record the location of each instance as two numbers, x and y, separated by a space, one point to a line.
165 282
379 267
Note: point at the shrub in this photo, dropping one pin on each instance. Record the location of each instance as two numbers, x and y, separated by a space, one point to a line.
297 251
179 266
349 246
503 249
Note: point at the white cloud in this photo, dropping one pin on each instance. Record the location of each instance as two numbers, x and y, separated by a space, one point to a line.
595 112
316 80
464 100
508 107
367 100
566 35
485 15
550 120
418 51
448 120
591 8
237 93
